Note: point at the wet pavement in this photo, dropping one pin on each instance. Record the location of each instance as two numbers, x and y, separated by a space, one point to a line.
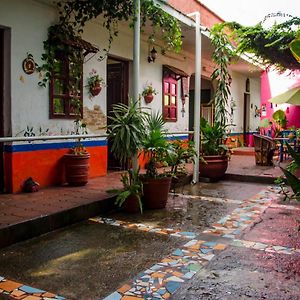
226 240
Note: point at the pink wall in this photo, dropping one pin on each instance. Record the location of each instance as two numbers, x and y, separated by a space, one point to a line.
273 84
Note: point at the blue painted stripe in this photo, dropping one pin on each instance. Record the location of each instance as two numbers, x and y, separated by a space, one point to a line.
177 137
241 133
51 146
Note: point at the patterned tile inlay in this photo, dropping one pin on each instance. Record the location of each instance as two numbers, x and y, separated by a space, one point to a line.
20 291
165 278
265 247
146 228
247 213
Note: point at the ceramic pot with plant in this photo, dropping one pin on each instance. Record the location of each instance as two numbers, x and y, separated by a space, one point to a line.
214 150
155 148
183 152
126 131
77 160
148 93
94 83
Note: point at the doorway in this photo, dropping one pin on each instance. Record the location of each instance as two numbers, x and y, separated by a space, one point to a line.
117 92
246 125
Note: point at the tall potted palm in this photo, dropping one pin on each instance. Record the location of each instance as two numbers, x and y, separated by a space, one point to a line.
155 147
126 132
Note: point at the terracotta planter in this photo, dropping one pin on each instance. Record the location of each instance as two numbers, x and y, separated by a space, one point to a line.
95 90
131 205
148 98
77 169
156 192
215 168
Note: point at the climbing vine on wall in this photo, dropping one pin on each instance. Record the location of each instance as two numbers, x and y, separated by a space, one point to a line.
74 14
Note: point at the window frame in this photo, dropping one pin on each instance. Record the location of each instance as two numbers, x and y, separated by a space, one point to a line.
170 79
65 77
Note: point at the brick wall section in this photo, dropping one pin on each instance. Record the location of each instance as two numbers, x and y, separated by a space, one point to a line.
208 17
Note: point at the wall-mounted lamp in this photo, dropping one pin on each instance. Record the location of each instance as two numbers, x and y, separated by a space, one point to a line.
287 110
152 55
184 99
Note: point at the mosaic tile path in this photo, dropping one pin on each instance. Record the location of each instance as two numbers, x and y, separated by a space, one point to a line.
146 228
265 247
165 278
20 291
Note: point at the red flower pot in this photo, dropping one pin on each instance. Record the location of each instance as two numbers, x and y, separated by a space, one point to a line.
95 90
215 167
148 98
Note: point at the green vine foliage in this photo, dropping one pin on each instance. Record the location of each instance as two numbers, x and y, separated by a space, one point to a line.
270 45
74 14
221 56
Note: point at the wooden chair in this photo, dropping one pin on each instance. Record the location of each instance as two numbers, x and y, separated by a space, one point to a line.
264 150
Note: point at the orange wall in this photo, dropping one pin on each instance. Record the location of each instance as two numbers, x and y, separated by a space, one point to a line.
46 167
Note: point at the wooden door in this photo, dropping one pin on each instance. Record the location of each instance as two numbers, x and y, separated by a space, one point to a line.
246 122
117 92
1 108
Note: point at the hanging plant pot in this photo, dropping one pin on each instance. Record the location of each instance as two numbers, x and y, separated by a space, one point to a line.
95 90
148 98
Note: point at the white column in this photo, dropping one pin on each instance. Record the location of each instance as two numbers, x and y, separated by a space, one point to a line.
197 103
136 50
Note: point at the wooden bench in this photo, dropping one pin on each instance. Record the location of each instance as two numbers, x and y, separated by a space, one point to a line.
264 150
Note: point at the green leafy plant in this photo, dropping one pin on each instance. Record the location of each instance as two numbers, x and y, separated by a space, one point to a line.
126 130
183 152
155 146
132 186
80 129
221 56
213 138
74 14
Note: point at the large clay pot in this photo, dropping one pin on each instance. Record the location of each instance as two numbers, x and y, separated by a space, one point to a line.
215 167
131 205
95 90
77 169
148 98
156 192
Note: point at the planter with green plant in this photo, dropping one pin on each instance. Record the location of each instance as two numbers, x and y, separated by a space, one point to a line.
126 132
77 160
148 93
94 83
215 152
184 152
156 148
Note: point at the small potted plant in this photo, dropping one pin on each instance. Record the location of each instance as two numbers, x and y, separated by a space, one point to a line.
77 160
148 93
184 151
94 83
214 150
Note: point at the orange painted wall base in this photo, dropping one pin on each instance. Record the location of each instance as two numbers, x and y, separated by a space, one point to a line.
46 167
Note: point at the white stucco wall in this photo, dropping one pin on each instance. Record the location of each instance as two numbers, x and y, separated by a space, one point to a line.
237 93
29 20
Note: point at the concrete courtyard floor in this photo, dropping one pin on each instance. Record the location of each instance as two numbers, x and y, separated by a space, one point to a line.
226 240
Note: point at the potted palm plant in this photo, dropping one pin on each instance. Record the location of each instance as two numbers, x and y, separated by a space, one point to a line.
156 148
214 150
126 132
